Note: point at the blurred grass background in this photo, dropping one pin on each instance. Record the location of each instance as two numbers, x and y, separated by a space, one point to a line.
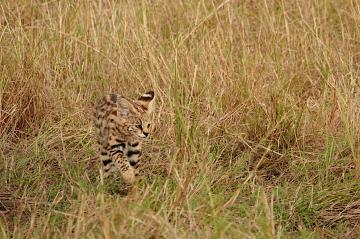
258 124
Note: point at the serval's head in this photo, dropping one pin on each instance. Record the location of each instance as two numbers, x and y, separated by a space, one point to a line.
140 121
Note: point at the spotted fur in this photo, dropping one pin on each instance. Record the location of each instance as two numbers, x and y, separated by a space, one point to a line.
121 124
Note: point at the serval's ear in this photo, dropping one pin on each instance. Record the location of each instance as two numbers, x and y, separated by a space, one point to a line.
147 100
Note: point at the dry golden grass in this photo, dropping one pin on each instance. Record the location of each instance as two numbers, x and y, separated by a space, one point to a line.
258 126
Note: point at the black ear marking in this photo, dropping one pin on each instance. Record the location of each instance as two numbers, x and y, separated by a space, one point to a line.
148 96
150 92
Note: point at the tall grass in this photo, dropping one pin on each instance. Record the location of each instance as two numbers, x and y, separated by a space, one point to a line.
257 128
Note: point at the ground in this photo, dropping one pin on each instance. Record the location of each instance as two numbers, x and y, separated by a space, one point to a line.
257 127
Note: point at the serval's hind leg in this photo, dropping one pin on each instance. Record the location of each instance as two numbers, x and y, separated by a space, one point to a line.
107 164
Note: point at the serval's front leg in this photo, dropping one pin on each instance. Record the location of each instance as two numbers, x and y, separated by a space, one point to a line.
121 162
126 170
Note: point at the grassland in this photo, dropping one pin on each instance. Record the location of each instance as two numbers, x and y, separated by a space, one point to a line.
258 118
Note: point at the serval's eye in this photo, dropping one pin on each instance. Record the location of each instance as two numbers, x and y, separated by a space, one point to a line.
148 125
139 126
